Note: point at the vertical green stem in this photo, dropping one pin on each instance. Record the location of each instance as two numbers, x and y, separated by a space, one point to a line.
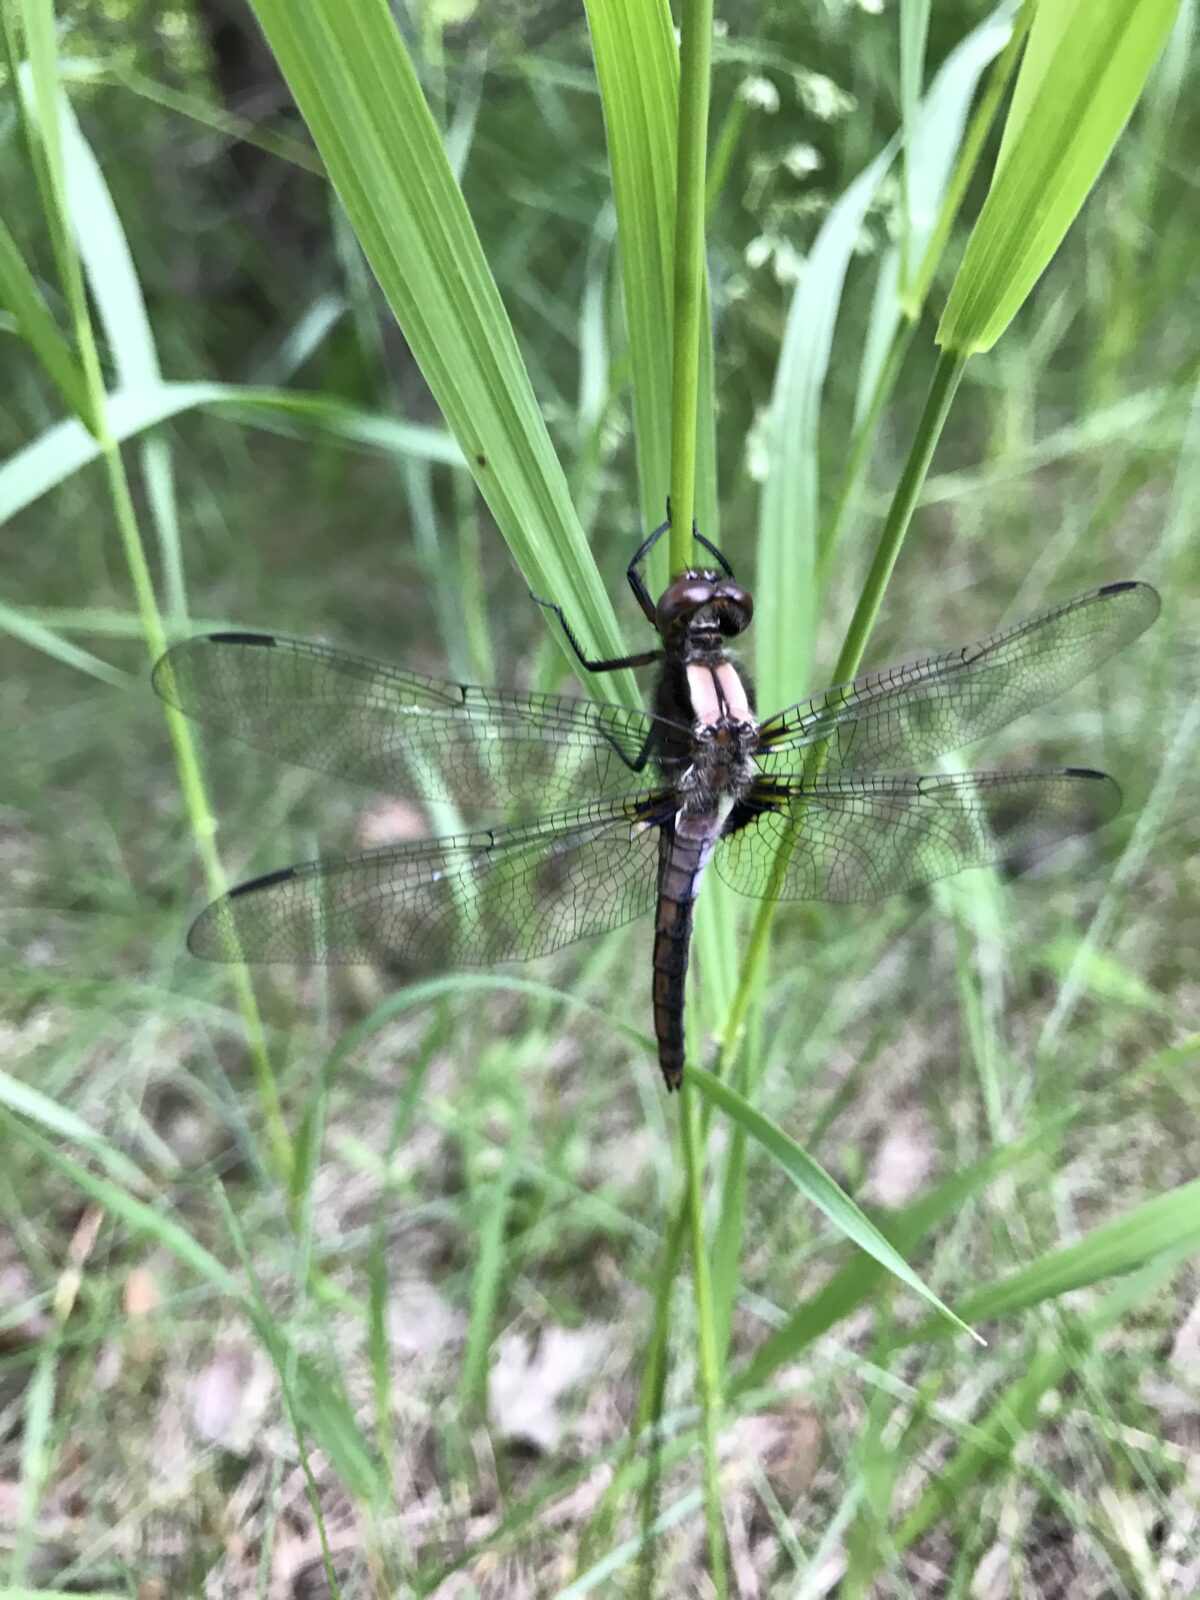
946 377
710 1362
695 61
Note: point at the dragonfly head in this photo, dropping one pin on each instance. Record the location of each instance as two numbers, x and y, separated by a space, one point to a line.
701 599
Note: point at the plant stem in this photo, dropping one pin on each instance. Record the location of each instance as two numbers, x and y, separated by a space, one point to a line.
695 61
946 377
710 1366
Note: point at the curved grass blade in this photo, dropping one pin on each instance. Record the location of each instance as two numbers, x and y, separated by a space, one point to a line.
817 1186
1085 66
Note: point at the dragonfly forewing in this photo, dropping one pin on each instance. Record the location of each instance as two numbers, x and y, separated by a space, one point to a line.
481 750
906 715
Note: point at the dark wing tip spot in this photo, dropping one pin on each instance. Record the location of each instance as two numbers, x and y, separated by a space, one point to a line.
1148 594
266 640
283 874
1088 772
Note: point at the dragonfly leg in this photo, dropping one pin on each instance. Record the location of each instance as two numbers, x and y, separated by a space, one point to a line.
713 551
643 658
636 582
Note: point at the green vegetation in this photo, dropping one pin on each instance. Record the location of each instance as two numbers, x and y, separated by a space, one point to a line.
332 1283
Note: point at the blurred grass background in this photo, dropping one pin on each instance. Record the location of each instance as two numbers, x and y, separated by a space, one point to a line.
412 1370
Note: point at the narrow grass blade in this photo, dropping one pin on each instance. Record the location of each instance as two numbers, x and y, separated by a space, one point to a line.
786 600
1164 1225
68 446
20 293
117 294
39 637
914 31
856 1282
1015 1414
356 87
1085 65
637 66
818 1187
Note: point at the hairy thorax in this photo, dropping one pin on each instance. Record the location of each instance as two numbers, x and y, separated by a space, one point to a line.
725 736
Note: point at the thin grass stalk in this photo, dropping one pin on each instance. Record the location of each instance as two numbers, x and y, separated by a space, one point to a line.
695 68
946 378
709 1356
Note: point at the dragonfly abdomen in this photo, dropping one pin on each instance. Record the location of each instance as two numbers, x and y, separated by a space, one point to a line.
684 850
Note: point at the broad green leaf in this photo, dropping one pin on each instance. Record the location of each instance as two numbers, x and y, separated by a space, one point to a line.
1084 68
815 1183
20 293
637 65
356 87
68 446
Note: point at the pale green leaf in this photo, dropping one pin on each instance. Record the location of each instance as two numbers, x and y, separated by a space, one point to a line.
1086 63
637 65
786 590
67 446
20 293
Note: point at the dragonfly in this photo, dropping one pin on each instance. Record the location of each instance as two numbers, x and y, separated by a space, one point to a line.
604 812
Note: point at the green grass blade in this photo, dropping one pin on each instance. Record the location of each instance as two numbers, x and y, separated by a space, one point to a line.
20 293
817 1186
688 299
914 31
1085 65
40 637
854 1283
1164 1225
786 599
1015 1414
357 89
637 64
68 446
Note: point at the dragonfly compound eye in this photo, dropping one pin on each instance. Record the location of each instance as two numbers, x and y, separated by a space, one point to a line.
735 609
686 595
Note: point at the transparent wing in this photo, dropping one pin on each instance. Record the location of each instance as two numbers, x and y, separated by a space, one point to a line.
906 715
866 838
497 894
401 731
